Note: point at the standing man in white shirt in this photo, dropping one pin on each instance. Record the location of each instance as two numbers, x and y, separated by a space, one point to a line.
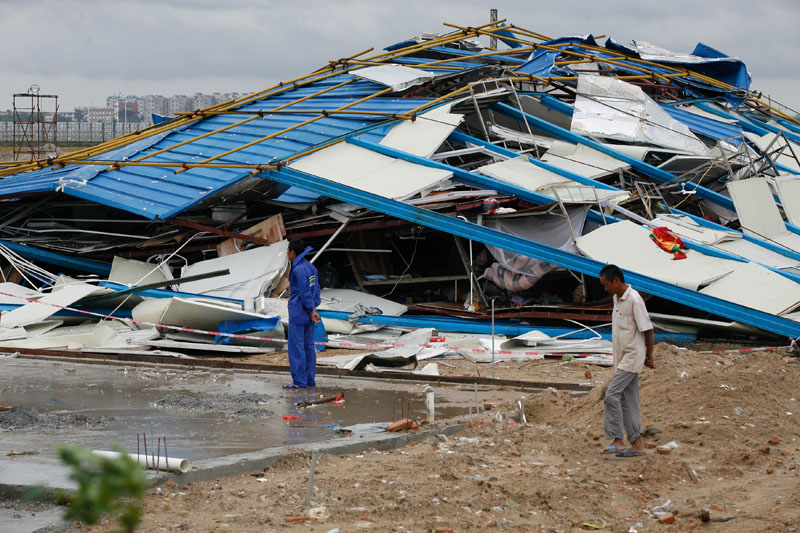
632 343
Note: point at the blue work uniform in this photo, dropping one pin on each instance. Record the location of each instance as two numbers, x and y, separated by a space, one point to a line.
304 299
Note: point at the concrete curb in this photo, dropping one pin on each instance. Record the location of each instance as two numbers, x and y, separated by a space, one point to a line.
233 465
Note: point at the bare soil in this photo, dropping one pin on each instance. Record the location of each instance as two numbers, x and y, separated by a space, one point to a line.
735 419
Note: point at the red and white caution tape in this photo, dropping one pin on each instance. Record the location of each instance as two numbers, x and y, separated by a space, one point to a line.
746 350
330 344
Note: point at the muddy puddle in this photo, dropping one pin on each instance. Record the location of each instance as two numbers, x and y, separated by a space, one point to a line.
202 413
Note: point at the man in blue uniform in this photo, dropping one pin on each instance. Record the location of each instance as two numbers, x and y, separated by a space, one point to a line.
303 301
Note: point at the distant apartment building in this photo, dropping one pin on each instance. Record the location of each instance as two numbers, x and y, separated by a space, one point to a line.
153 103
100 114
202 101
180 103
128 111
141 108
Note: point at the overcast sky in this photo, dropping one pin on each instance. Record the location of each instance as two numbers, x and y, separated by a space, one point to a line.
85 50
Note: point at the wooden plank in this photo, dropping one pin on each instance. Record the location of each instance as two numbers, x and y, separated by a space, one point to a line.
270 231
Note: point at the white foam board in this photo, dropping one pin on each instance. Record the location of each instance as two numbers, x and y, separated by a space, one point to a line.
424 135
756 287
46 306
582 160
758 214
789 194
253 272
371 172
629 246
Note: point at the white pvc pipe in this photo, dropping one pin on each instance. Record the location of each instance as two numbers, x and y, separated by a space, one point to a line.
172 464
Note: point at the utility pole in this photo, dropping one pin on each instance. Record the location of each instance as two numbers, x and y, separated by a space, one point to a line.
493 18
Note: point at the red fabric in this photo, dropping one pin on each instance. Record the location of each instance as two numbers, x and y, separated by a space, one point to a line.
669 242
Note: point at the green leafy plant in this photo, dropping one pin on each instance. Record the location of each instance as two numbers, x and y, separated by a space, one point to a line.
106 486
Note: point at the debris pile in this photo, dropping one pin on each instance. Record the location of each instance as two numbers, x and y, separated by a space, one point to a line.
443 184
21 417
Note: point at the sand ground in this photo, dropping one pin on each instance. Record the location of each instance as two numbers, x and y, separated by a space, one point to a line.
735 419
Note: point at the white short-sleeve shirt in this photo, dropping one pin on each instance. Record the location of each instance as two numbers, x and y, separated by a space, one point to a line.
629 321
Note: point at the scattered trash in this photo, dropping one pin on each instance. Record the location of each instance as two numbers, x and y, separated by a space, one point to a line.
663 508
401 425
339 398
12 453
319 513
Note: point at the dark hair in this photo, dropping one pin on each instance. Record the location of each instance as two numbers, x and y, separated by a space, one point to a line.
297 246
612 272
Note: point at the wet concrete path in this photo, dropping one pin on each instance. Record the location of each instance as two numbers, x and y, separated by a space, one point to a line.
208 413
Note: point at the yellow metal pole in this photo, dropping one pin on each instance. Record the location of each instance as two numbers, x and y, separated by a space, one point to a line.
530 33
680 72
298 112
484 54
160 128
286 130
241 122
376 63
319 75
281 89
118 164
778 111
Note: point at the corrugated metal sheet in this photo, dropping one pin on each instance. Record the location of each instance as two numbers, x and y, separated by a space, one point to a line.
159 193
707 127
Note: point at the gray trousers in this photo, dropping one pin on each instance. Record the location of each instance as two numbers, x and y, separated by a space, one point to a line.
621 407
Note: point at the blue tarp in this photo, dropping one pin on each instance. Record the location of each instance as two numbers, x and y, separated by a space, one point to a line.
540 63
718 66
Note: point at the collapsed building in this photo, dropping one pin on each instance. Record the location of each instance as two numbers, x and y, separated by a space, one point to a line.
443 184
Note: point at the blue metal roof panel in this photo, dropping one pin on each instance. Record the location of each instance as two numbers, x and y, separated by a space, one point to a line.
34 182
157 192
707 127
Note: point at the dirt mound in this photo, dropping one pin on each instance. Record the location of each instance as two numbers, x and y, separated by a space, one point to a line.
735 464
736 401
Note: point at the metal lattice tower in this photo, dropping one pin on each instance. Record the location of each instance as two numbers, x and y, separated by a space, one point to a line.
35 125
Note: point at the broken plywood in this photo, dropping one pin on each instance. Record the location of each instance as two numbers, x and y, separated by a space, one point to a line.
271 230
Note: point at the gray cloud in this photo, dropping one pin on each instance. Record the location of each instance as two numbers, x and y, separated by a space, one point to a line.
87 49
